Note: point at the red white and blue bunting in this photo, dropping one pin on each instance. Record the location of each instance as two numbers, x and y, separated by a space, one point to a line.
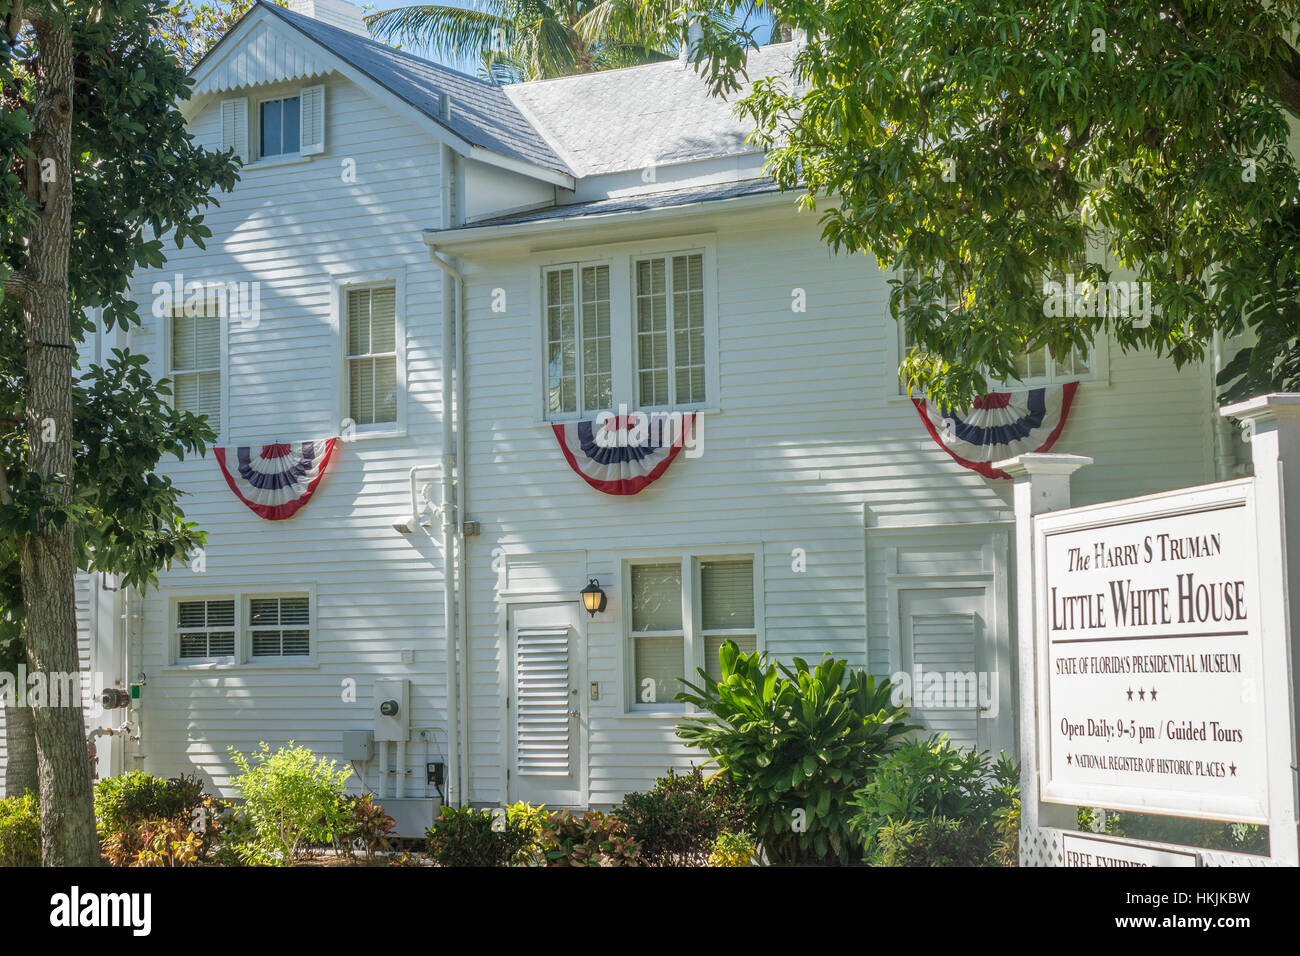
623 454
999 425
278 479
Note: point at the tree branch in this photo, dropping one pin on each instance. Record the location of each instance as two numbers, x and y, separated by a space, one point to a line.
1287 80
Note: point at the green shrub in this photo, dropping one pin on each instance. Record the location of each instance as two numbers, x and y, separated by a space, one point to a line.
293 799
366 827
589 839
931 841
169 843
468 836
1006 852
945 791
20 831
532 819
732 849
798 742
139 817
132 798
677 822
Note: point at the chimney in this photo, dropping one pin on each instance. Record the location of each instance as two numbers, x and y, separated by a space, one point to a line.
337 13
694 34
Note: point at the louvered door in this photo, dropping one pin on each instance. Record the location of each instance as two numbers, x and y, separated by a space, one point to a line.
956 685
545 707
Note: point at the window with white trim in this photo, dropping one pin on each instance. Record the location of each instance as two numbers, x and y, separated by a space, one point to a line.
579 350
670 360
279 626
634 330
370 331
291 124
674 630
269 629
195 360
1032 368
205 630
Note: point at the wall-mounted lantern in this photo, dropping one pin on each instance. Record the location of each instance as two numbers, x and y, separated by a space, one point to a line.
593 598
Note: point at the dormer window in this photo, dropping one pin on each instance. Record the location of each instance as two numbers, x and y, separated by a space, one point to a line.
279 125
277 128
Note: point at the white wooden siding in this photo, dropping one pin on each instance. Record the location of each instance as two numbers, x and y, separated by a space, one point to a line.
292 227
811 431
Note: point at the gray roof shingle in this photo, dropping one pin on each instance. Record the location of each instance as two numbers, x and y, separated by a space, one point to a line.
481 113
632 118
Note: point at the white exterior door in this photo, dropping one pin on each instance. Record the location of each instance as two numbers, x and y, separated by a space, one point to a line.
547 743
959 686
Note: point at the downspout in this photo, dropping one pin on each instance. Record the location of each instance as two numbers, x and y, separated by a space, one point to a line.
1225 461
453 496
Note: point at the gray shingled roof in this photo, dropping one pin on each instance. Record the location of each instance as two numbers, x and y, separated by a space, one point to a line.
632 118
481 113
641 202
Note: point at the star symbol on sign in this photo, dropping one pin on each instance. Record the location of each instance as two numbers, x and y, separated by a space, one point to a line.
1233 767
1130 693
1069 758
1153 693
1142 695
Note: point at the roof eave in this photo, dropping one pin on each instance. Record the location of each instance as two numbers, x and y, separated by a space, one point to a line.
471 237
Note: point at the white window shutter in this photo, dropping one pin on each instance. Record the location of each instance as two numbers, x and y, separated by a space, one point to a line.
312 103
234 126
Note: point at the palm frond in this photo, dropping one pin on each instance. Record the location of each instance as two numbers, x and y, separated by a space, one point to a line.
450 31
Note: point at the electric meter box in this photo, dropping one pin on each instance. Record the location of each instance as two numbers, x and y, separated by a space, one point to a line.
392 709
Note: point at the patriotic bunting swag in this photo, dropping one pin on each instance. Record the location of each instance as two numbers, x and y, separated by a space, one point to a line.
622 454
999 425
275 480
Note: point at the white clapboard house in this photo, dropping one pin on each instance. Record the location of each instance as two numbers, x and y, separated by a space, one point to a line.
453 281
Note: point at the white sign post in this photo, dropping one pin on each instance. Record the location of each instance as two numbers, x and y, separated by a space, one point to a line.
1156 654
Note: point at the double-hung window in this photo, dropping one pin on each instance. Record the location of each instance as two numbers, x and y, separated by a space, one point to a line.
579 351
658 637
370 320
682 612
195 360
669 316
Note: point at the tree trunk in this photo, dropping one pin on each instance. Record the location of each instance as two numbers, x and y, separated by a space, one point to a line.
20 752
47 556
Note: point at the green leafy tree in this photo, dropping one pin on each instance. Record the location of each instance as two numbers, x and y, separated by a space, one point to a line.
517 40
99 169
189 28
985 144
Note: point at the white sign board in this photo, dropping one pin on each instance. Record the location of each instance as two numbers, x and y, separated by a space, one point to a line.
1149 648
1083 850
